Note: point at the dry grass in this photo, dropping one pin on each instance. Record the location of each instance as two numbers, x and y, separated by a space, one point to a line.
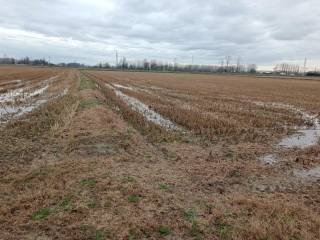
91 174
153 131
216 113
23 138
13 72
26 138
254 218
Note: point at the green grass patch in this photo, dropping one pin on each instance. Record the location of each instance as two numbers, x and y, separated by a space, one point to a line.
134 234
163 186
92 205
132 237
86 83
41 214
89 103
195 231
190 215
66 203
134 198
164 230
99 235
221 228
90 182
128 179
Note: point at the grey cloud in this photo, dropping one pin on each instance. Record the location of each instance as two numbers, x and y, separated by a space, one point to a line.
261 31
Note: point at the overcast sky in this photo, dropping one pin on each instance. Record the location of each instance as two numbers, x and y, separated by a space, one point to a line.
259 31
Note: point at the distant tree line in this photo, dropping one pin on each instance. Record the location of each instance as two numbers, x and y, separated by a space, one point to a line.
26 61
72 65
287 69
147 65
293 69
154 65
313 74
38 62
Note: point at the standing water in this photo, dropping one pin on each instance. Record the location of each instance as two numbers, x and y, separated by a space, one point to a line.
143 109
303 138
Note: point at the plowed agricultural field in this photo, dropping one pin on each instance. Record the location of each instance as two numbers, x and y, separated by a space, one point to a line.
128 155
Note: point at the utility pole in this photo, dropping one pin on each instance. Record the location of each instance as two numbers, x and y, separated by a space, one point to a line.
238 65
228 61
192 61
305 66
117 62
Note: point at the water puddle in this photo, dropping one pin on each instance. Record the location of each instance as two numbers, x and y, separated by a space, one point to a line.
8 101
8 112
22 94
17 111
63 93
303 138
269 159
131 88
124 87
25 93
143 109
38 92
313 173
156 88
11 95
110 86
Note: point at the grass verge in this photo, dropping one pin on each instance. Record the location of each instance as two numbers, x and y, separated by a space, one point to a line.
86 83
